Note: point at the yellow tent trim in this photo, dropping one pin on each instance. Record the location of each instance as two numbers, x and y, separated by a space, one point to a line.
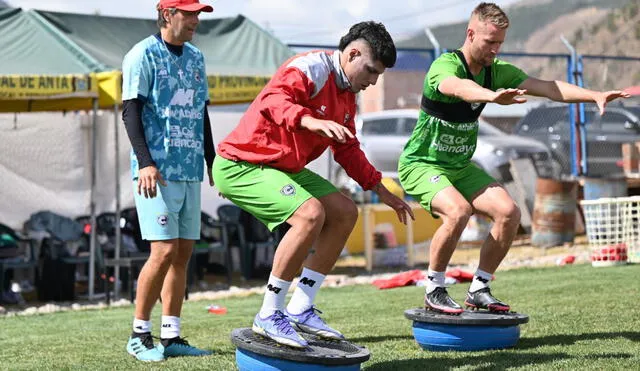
25 93
235 89
109 88
222 89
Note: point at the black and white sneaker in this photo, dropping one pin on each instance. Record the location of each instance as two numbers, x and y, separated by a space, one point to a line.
482 299
439 300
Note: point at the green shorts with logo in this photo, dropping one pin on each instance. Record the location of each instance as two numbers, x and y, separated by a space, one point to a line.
423 181
269 194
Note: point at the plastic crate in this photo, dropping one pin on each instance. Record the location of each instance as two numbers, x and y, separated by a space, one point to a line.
612 226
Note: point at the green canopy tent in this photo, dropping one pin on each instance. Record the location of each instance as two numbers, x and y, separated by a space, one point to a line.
38 71
240 57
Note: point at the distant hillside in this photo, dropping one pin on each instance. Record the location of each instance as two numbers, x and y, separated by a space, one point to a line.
592 31
617 33
526 17
593 27
4 5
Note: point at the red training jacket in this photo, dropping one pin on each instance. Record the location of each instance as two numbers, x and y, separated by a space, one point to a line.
269 133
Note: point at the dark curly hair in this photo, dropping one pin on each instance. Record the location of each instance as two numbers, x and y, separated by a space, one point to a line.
376 35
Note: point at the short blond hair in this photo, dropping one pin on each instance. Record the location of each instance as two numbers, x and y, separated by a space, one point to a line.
490 12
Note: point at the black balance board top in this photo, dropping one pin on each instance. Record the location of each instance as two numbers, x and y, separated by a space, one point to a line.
467 318
319 351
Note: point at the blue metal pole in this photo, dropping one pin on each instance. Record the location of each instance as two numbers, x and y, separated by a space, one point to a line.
572 120
583 128
572 116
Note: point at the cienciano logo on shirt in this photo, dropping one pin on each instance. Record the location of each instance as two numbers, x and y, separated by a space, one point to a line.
288 190
322 110
163 220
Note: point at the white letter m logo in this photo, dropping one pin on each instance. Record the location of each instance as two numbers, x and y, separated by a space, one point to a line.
182 98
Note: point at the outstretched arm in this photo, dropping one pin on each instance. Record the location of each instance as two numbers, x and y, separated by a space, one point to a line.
561 91
470 91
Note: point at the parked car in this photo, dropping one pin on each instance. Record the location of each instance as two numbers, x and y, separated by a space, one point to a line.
604 135
384 134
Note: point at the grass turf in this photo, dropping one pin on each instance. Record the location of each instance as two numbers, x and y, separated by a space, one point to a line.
580 318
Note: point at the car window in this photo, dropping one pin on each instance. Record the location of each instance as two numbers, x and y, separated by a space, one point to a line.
614 122
408 125
387 126
634 110
485 129
543 120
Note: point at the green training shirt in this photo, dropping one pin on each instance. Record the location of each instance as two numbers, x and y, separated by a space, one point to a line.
444 143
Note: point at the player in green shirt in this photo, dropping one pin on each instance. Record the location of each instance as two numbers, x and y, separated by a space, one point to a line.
436 169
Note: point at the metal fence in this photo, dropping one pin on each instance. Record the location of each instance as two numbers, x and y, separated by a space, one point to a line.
604 135
601 72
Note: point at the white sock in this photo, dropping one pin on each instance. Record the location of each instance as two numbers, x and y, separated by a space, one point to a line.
480 280
141 326
434 279
274 296
170 327
306 291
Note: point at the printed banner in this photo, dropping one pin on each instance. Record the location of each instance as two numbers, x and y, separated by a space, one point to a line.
29 86
235 89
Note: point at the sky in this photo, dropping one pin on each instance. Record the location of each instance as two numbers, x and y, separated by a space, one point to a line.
294 21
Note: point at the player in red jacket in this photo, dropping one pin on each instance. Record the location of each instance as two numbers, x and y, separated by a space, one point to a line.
308 105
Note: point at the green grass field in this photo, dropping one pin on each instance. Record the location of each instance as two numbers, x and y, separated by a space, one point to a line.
580 318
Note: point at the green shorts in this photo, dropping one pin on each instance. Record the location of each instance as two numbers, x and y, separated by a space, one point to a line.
423 181
269 194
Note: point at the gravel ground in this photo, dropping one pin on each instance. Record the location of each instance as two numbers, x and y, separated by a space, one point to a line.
350 271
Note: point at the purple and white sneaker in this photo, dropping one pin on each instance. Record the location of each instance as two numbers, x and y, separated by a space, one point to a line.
278 328
310 322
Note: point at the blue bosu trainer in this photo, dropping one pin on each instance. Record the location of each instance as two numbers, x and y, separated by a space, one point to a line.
471 330
255 352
